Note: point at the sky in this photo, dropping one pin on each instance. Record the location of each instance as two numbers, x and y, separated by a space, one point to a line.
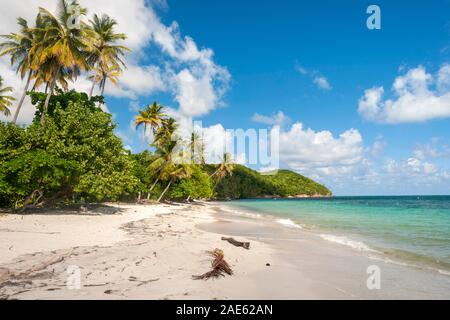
366 112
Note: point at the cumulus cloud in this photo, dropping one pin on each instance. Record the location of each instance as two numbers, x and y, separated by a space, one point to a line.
317 78
434 149
377 149
418 97
306 149
278 118
182 69
322 83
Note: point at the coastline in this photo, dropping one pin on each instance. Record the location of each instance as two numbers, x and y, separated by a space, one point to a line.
152 251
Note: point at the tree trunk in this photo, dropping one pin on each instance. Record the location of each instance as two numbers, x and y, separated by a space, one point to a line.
153 186
16 115
47 100
92 89
103 86
165 190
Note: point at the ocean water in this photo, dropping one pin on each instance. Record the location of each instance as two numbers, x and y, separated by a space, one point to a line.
410 229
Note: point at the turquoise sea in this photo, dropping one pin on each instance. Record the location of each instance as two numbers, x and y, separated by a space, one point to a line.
414 229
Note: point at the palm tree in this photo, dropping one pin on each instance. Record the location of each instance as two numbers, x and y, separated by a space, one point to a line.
106 56
5 99
195 146
225 168
165 133
152 116
164 159
18 46
102 75
173 173
60 46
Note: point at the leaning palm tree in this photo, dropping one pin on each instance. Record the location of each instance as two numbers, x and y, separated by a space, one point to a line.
174 173
18 46
60 45
152 117
5 99
102 75
164 157
106 55
165 133
226 167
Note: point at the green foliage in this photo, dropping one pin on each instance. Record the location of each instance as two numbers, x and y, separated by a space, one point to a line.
247 183
74 153
289 183
62 98
198 186
143 172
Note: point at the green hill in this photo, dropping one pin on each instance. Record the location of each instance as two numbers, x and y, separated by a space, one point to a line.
247 183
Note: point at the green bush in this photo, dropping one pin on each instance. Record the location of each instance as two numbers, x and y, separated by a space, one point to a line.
198 186
74 153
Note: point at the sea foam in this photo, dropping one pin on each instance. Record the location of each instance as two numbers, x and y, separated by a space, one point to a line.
347 242
288 223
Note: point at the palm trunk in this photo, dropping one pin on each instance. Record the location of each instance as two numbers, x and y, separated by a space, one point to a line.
214 173
153 186
16 115
92 89
103 86
165 190
47 100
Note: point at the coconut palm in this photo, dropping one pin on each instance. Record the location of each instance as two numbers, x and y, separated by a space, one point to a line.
18 46
174 173
111 73
5 99
106 56
225 168
60 46
153 117
165 133
164 157
195 145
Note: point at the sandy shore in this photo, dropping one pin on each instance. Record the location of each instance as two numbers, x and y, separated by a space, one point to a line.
152 251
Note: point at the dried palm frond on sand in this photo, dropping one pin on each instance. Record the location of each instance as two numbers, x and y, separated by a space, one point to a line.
219 266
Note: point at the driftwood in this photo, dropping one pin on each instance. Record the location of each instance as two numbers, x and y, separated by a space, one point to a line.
245 245
219 266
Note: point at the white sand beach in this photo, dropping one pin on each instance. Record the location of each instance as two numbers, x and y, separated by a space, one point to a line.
152 251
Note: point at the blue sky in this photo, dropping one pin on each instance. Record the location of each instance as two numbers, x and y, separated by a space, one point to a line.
374 105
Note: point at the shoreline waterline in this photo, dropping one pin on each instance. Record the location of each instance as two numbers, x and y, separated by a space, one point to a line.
267 209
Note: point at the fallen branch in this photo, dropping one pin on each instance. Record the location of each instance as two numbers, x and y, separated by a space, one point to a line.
219 266
245 245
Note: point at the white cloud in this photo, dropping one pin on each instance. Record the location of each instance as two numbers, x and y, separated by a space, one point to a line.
11 79
278 118
318 79
377 149
434 149
307 150
419 97
183 70
322 82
